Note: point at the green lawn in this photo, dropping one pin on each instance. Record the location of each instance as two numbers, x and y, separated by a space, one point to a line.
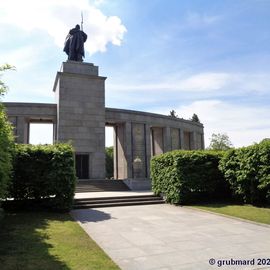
48 241
258 214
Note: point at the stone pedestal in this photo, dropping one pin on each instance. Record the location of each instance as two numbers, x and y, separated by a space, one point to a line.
80 94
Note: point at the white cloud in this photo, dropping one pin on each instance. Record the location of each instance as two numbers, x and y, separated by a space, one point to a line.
197 82
194 19
220 82
21 57
205 82
57 17
98 2
244 124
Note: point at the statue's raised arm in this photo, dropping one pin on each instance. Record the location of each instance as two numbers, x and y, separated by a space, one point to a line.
74 44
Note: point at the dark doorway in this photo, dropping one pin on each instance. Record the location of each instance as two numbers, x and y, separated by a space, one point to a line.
82 166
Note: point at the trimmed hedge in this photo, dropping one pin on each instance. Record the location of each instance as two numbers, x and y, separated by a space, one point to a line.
188 176
44 173
6 150
247 170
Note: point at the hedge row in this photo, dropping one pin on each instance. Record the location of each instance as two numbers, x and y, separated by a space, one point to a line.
44 173
6 150
193 176
188 176
247 170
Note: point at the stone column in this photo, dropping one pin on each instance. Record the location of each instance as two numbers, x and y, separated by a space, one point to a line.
198 141
203 145
22 130
158 140
192 140
115 153
128 149
148 148
167 139
123 151
181 139
80 94
175 138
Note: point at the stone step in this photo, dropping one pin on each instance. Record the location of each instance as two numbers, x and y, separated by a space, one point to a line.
95 189
114 204
118 199
112 201
100 182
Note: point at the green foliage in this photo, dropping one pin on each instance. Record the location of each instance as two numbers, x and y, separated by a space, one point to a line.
44 173
6 141
220 142
188 176
3 87
109 162
6 150
247 170
266 140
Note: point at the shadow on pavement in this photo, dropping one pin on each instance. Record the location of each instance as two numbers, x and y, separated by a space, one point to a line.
90 215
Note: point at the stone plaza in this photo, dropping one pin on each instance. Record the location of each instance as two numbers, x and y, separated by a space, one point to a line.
168 237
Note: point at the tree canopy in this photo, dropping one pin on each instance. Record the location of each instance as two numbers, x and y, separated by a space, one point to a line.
6 141
3 86
220 141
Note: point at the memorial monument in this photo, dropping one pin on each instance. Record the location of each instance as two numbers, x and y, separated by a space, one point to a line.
79 115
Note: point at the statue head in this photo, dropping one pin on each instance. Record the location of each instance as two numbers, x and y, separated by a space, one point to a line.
77 27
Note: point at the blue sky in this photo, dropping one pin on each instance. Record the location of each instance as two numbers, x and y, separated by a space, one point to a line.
205 57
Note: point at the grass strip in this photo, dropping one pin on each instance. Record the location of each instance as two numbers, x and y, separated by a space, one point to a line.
48 241
249 212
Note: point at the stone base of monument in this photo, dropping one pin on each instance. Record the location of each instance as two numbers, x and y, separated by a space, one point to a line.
138 184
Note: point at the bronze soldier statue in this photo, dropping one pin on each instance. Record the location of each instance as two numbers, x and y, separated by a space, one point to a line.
74 44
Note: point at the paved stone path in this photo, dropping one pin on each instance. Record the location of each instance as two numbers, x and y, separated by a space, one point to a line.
163 237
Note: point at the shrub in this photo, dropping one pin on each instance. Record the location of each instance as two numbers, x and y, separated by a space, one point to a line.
247 170
6 150
44 172
188 176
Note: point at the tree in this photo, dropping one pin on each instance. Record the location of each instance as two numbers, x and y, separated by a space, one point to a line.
265 140
220 141
6 141
3 87
173 114
109 162
195 118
